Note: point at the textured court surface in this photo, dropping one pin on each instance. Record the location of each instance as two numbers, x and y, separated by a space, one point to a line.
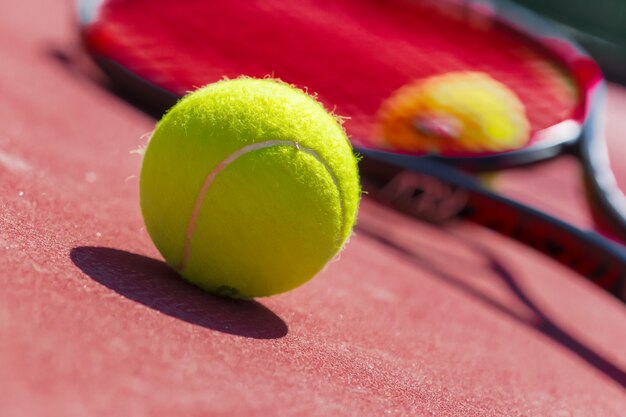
412 320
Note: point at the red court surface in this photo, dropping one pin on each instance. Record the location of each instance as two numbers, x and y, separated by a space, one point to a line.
412 319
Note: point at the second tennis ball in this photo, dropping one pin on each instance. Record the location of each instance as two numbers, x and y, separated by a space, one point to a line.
455 113
249 187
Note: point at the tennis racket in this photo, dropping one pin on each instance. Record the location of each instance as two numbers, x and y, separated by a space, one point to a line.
354 54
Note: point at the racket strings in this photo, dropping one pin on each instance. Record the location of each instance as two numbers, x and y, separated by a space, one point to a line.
355 54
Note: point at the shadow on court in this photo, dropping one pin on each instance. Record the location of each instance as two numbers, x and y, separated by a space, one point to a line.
155 285
542 322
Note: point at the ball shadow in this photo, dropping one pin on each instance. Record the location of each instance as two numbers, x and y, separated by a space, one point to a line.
154 284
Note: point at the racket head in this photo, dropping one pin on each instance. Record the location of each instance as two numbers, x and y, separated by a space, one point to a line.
353 55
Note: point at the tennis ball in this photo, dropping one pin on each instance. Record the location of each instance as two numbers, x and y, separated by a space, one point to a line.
455 112
249 187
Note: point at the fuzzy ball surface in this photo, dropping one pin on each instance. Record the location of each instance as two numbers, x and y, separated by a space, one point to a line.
249 187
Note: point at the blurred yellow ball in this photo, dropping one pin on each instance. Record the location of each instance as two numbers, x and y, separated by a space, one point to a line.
457 112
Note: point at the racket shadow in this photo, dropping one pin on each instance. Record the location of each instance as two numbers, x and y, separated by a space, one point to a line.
541 323
77 64
154 284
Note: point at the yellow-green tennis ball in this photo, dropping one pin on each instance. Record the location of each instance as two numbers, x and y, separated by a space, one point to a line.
249 187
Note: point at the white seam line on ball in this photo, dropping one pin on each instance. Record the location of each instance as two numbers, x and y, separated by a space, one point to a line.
193 219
